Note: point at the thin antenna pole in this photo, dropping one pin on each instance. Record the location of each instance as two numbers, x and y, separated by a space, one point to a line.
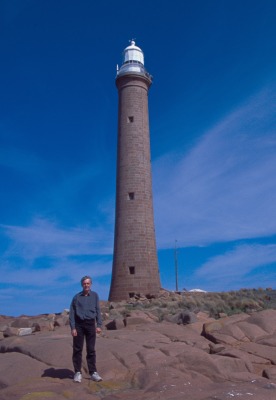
176 266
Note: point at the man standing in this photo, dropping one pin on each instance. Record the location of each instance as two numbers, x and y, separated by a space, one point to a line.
85 321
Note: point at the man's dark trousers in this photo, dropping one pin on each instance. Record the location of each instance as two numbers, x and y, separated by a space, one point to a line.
85 329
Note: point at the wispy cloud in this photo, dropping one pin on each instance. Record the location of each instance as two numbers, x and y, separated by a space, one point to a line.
44 238
225 188
235 265
55 272
47 262
49 296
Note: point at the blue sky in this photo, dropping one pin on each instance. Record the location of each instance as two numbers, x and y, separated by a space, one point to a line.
213 143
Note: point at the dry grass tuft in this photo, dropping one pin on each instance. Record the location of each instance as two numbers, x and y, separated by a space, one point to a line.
233 302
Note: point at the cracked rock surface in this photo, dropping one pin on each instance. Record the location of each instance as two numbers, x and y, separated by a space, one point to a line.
146 359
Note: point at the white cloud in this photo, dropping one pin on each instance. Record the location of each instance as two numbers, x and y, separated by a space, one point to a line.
236 264
52 286
48 298
58 272
44 239
224 189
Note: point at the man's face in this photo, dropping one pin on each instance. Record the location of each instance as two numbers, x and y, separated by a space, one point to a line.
86 285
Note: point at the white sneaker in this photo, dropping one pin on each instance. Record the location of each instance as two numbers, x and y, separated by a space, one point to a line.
77 377
96 377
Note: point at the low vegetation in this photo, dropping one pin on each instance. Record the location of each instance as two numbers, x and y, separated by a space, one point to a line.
215 304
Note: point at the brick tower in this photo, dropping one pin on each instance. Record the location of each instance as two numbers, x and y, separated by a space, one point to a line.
135 264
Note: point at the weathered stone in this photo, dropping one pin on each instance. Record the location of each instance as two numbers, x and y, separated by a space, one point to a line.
265 320
216 348
268 341
160 360
203 316
133 321
213 366
10 331
117 323
21 323
212 331
237 353
24 331
28 368
251 331
149 316
229 330
270 373
3 327
48 347
270 386
235 331
61 320
260 350
44 324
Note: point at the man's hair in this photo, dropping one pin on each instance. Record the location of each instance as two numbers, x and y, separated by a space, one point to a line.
86 277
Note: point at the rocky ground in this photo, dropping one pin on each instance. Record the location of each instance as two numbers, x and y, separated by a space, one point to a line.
191 357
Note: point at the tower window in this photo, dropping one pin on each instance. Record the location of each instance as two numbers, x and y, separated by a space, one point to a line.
131 270
130 119
131 196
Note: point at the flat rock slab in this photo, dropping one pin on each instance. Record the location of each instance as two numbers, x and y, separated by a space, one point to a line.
53 389
51 348
148 361
10 365
260 350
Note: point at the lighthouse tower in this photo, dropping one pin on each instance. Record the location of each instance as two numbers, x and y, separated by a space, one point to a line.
135 265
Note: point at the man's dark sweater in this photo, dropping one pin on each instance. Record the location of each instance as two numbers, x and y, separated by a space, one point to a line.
85 307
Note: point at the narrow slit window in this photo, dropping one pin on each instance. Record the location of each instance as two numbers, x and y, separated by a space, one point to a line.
130 119
131 196
131 270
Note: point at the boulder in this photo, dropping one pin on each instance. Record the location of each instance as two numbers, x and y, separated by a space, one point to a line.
117 323
213 332
251 331
10 331
233 329
61 320
270 373
44 324
23 322
3 327
140 317
265 320
216 348
25 331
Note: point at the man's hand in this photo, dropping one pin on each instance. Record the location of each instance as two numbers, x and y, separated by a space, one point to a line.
98 330
74 332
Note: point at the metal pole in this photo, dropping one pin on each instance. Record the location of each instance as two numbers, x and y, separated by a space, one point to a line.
176 267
